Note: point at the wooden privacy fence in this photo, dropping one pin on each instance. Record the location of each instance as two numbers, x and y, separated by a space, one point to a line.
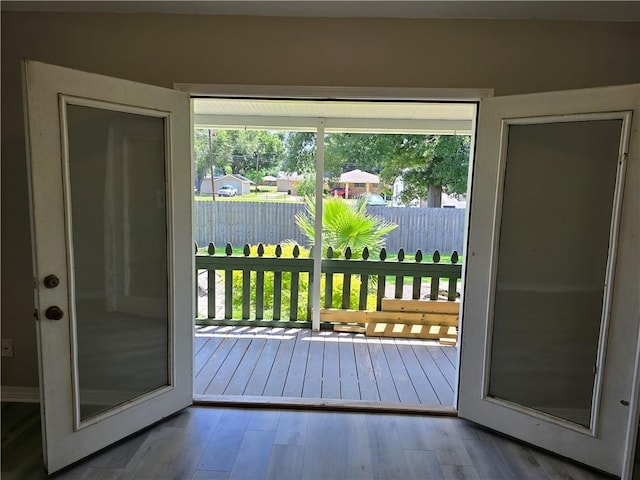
252 288
425 229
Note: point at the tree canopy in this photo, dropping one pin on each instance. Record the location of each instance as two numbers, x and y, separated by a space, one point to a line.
237 151
426 164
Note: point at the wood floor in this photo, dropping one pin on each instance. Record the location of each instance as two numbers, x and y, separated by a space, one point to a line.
242 443
298 363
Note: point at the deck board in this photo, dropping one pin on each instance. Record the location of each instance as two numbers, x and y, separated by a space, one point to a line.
382 372
298 359
312 387
366 376
331 367
440 385
281 367
399 374
299 363
240 378
258 380
419 380
349 388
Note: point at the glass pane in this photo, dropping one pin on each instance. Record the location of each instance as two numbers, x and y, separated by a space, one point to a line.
118 213
557 206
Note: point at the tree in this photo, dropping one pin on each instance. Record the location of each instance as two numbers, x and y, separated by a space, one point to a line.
203 155
429 165
307 186
351 151
300 152
236 151
243 147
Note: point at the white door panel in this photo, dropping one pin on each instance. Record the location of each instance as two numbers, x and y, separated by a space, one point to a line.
111 212
550 321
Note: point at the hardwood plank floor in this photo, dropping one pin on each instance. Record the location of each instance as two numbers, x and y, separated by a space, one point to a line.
245 443
298 363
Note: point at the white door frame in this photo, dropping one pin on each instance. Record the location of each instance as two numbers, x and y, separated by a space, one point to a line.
271 92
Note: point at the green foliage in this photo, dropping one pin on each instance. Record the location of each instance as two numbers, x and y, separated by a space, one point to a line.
425 161
303 288
307 187
236 151
300 152
345 224
422 161
367 152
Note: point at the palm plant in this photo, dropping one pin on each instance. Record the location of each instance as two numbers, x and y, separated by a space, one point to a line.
345 224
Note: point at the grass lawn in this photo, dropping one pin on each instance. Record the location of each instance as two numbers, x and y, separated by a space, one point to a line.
265 194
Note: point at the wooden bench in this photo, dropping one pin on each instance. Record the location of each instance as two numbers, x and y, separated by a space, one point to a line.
431 319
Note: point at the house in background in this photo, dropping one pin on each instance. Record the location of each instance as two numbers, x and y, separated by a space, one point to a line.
509 56
240 183
288 182
269 181
357 182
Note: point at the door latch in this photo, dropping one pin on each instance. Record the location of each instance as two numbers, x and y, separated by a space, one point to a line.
54 313
51 281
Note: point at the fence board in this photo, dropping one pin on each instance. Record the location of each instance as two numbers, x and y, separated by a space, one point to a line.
427 229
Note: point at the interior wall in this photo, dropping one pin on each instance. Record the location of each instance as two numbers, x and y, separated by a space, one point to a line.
509 56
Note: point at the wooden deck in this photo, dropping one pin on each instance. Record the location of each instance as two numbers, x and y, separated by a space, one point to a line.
301 364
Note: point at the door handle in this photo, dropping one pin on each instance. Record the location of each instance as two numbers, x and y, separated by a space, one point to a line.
54 313
51 281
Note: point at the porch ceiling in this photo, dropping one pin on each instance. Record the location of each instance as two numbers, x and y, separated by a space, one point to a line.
339 116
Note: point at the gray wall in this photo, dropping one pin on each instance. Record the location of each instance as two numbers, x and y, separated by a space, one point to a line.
510 56
427 229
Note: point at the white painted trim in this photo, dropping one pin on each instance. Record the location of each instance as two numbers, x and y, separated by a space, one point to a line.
613 445
465 248
20 394
317 251
44 84
625 116
628 460
335 93
335 125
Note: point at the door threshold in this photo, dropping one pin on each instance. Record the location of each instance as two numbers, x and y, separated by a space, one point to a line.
322 404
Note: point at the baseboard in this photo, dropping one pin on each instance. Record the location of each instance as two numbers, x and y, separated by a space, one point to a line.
9 393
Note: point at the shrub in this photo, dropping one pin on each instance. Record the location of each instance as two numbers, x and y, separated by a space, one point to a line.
345 224
303 288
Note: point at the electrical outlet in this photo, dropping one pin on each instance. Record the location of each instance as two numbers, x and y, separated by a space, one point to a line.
7 347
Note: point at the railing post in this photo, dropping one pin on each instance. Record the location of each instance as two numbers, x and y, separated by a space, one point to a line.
382 282
260 287
346 282
295 283
417 280
310 288
328 283
228 287
277 289
211 286
435 281
364 283
399 283
452 294
246 286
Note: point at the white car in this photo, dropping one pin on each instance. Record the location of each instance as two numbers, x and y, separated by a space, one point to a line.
227 191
